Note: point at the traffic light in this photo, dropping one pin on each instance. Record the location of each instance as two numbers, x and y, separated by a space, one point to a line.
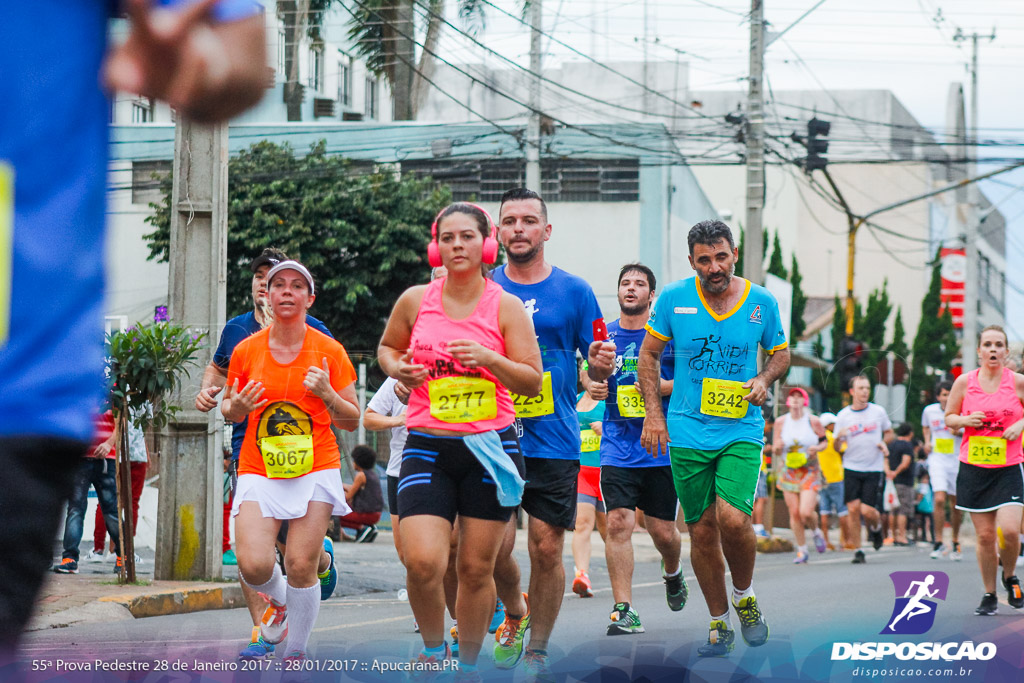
817 147
851 360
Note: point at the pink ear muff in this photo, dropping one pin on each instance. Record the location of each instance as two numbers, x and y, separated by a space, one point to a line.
433 252
490 249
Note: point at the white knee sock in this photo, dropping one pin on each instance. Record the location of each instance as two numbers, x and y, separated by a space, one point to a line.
303 606
275 587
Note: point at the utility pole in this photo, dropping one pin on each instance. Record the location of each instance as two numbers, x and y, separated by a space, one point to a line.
647 65
533 126
968 342
191 475
753 245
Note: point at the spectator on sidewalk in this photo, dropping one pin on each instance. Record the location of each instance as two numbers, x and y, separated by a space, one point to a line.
138 456
364 496
924 509
230 479
97 468
899 469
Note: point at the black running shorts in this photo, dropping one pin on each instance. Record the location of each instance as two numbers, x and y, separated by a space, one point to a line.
440 476
863 486
392 495
989 488
649 488
550 493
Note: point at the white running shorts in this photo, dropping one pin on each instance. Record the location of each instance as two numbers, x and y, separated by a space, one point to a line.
942 471
290 498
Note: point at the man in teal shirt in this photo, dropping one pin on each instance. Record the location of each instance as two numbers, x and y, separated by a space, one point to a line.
714 428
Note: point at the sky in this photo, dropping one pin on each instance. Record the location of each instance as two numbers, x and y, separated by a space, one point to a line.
906 47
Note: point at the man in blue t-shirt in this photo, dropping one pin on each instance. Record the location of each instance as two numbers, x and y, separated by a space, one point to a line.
214 378
631 477
208 60
715 430
563 309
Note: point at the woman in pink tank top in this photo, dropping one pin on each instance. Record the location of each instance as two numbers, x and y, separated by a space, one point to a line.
461 344
987 404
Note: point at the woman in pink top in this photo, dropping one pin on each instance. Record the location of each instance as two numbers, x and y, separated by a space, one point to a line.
987 404
461 344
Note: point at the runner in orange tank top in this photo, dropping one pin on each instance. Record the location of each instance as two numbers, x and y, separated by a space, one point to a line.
461 344
293 383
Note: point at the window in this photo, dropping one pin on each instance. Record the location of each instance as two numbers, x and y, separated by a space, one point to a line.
371 98
147 179
142 111
564 180
345 80
316 68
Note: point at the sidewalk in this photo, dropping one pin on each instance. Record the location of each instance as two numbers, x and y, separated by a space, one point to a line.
93 594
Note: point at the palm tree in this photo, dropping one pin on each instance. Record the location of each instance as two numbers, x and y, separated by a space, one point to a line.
383 33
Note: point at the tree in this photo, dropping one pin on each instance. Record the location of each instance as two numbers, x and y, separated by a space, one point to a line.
362 235
934 348
384 35
827 381
764 250
870 329
775 263
899 338
797 325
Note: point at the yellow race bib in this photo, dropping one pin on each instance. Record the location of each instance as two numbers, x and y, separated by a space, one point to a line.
986 450
795 458
944 446
462 399
6 247
590 441
723 398
630 402
288 456
536 406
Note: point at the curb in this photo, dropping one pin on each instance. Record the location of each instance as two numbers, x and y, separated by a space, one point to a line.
179 602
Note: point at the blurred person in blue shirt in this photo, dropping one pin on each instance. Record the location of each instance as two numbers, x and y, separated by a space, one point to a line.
207 59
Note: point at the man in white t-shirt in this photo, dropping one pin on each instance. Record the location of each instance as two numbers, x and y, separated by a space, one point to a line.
943 449
386 410
865 430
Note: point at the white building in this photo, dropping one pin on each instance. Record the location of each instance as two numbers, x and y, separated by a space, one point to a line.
337 85
879 154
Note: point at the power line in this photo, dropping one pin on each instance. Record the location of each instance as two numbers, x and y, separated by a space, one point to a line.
533 74
587 57
497 91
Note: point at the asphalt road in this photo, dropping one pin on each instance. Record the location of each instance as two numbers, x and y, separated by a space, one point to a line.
809 608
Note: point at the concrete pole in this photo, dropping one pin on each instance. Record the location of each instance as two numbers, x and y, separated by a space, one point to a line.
533 125
191 474
969 341
647 64
753 247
